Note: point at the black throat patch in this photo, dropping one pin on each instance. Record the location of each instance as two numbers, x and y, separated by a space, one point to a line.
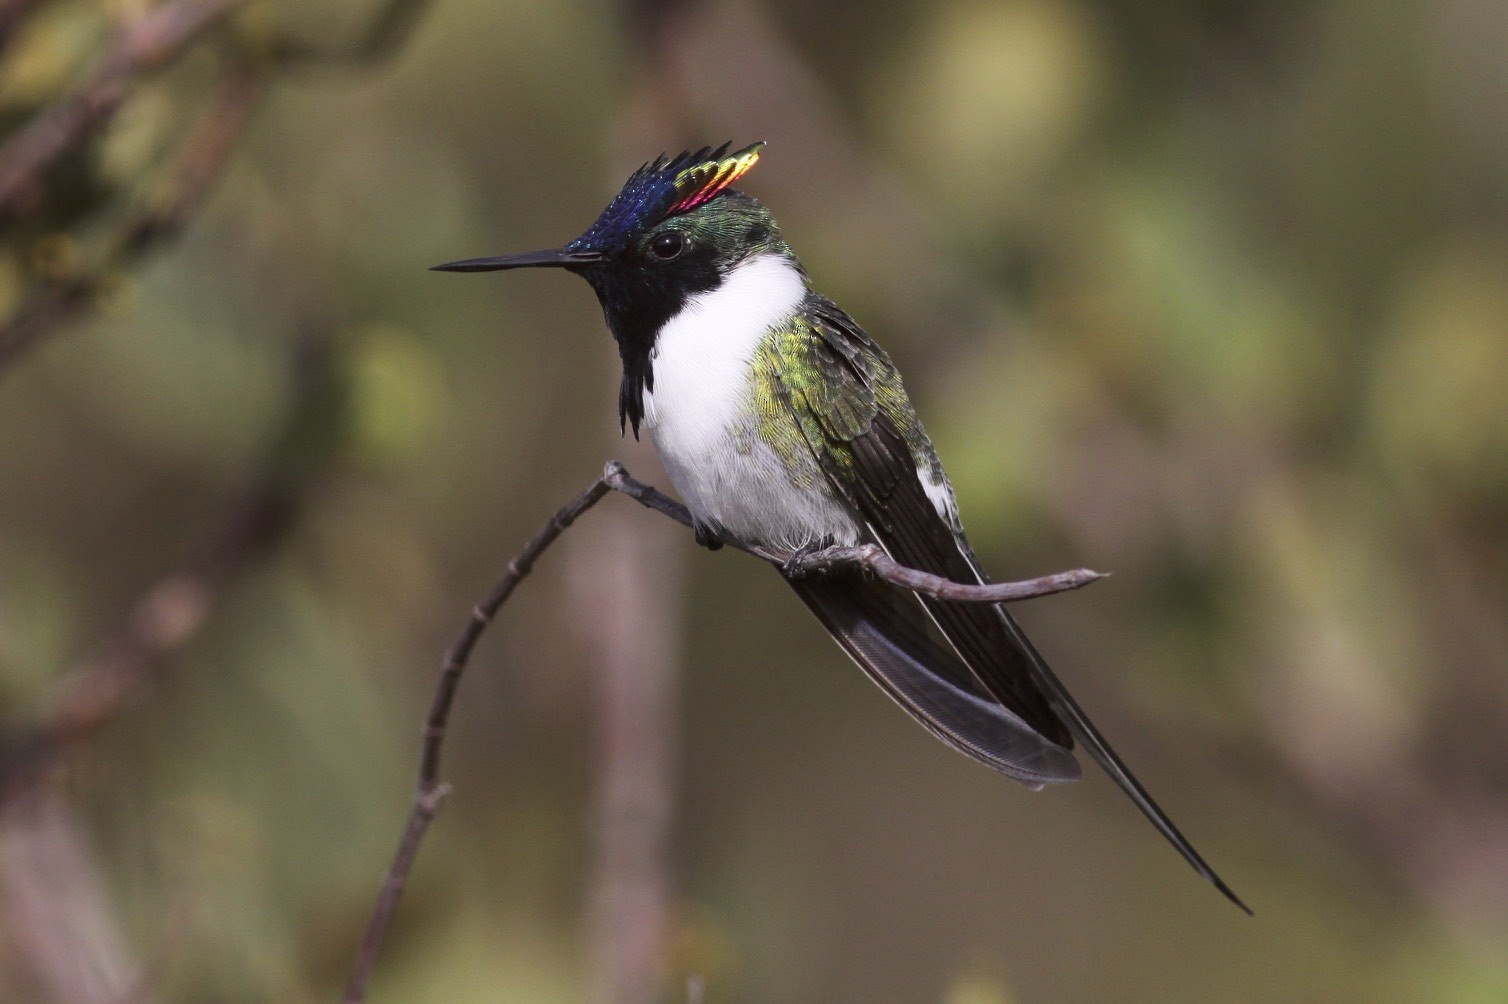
637 302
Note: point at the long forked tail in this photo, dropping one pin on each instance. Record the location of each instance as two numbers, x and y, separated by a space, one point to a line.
994 646
1006 665
1083 729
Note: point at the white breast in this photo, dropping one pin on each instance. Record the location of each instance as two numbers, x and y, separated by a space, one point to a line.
699 409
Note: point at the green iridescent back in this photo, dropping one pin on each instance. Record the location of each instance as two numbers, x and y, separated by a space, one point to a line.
818 384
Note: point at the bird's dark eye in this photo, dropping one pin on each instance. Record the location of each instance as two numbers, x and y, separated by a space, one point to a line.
669 244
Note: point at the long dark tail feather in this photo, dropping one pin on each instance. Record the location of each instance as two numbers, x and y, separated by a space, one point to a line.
883 630
1083 729
987 639
990 641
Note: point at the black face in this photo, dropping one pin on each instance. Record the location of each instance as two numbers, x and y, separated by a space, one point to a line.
641 288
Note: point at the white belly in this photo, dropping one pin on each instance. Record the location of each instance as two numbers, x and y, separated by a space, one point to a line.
699 415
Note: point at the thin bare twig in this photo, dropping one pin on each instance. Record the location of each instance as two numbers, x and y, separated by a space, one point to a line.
873 558
869 557
144 46
200 161
430 791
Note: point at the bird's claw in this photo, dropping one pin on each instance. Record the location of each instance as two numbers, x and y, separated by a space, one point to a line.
706 537
795 566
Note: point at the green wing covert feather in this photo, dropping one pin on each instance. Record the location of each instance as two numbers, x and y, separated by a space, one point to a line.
835 382
807 406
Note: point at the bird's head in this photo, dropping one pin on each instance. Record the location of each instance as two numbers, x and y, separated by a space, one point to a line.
676 223
674 231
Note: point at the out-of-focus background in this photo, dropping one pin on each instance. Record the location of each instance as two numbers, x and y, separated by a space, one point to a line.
1211 294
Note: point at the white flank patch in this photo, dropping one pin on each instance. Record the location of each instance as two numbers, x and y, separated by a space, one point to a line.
702 364
940 494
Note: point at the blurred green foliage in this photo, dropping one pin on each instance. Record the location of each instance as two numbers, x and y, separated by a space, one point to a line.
1214 295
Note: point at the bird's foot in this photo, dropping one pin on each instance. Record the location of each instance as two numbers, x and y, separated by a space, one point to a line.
796 566
706 536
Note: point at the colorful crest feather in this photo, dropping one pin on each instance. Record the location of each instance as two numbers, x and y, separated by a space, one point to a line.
667 187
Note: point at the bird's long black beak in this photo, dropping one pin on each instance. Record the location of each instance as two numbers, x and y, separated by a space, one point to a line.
553 258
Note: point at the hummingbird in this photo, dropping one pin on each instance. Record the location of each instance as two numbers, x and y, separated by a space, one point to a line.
782 423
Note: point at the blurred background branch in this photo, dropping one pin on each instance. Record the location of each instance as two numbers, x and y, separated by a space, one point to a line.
172 610
63 129
203 155
54 895
144 46
56 899
75 239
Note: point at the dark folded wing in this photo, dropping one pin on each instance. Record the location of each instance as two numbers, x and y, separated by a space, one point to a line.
883 630
855 416
907 524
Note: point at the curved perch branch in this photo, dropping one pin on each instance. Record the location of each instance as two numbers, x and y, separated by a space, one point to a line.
431 791
870 557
